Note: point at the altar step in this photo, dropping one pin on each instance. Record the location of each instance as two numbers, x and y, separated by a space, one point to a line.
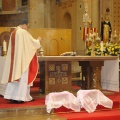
23 111
41 110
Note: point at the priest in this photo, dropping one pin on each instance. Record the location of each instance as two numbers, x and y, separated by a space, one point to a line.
21 65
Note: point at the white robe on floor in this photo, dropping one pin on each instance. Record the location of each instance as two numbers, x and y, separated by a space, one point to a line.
89 99
58 99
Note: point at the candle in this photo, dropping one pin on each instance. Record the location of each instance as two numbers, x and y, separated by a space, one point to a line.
87 37
97 35
101 46
90 35
115 32
4 45
93 30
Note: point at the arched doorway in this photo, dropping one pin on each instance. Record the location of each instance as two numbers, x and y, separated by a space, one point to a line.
67 22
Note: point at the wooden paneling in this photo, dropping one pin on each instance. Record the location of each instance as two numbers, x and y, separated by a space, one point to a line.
11 20
51 39
8 5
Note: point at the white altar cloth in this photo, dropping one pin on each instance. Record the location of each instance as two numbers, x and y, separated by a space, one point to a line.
110 75
2 86
89 99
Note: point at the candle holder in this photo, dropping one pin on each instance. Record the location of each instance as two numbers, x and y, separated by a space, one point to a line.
102 54
4 53
92 53
41 53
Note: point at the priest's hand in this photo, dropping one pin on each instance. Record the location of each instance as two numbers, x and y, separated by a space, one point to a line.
39 38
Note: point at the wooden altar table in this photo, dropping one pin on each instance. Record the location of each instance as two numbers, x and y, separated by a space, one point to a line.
58 72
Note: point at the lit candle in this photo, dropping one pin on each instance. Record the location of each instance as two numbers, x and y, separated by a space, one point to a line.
97 35
87 37
90 35
115 33
101 44
93 30
4 45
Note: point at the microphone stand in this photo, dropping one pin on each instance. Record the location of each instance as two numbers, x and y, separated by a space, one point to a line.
73 53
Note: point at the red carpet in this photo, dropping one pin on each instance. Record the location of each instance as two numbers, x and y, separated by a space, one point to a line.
98 115
101 113
7 104
37 102
99 107
115 97
41 101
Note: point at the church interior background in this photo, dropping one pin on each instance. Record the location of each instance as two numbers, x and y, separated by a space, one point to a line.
60 23
61 14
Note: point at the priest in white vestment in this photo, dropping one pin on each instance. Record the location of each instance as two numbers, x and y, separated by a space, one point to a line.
21 64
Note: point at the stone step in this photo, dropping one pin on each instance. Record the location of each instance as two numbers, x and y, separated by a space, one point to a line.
23 111
35 110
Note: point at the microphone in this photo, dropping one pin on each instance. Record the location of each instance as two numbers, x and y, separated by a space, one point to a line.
69 53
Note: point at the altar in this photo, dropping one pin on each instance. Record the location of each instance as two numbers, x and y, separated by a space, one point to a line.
100 72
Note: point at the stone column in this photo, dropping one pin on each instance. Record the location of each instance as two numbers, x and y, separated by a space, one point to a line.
36 13
95 13
50 7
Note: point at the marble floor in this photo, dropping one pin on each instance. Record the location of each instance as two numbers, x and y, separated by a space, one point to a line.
34 117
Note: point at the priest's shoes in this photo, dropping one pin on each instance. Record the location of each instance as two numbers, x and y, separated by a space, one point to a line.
16 101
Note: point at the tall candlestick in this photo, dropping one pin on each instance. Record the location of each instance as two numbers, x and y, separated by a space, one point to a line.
4 45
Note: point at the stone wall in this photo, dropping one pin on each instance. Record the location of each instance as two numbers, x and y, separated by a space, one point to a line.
53 40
